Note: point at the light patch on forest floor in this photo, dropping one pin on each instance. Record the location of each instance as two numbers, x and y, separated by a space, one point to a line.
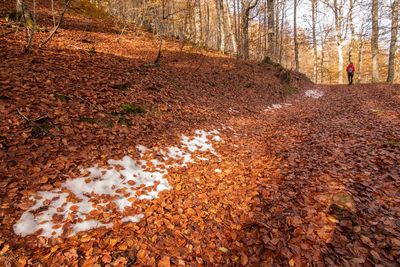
314 93
112 193
277 106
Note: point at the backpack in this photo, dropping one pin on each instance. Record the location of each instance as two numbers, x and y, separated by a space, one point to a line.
350 69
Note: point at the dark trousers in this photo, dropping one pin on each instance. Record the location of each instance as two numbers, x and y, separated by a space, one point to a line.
350 77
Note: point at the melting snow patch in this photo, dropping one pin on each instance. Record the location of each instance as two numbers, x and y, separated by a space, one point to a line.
115 192
277 106
315 93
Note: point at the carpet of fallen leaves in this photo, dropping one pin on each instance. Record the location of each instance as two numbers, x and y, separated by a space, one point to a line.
316 182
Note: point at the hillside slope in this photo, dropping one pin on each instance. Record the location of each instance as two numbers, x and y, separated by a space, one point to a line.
203 160
81 82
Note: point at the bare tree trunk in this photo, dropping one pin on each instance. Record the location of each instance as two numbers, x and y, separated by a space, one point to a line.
352 30
197 23
340 56
374 42
360 59
296 43
314 7
231 31
239 32
393 41
29 21
218 9
245 31
219 4
277 29
323 34
247 6
282 30
271 27
259 43
223 35
52 13
207 35
322 62
339 21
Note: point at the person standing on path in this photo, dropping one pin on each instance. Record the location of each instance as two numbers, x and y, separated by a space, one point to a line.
350 72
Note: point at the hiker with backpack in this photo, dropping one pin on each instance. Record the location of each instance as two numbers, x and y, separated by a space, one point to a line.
350 72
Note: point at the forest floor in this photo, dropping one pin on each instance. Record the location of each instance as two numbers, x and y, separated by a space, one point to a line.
204 160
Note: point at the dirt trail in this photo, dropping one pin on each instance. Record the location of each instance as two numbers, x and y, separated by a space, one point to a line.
334 198
314 182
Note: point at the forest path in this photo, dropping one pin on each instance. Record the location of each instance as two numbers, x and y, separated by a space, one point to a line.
333 193
316 181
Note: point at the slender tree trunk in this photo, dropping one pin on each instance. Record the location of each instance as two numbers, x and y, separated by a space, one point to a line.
245 32
322 64
393 41
374 42
265 34
314 35
296 43
52 13
360 59
219 26
322 60
271 27
231 31
282 31
277 32
259 42
207 35
340 56
338 13
222 18
197 23
29 21
239 32
352 30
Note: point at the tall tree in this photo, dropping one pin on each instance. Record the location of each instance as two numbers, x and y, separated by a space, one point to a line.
271 27
374 41
232 30
282 30
393 41
247 7
296 43
198 23
352 29
314 7
361 44
219 4
337 8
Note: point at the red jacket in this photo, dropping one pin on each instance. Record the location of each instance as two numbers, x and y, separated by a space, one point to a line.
352 66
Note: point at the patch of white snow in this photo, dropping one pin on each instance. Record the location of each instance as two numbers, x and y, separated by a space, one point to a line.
314 93
77 205
277 106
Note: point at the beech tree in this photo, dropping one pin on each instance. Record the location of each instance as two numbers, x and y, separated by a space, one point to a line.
314 7
393 41
255 29
374 41
296 43
271 27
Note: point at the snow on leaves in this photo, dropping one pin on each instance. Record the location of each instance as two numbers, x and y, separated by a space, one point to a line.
277 106
314 93
92 201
